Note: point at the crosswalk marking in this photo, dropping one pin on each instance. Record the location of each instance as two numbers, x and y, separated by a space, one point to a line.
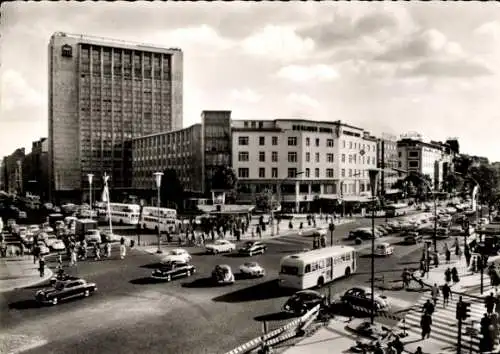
444 324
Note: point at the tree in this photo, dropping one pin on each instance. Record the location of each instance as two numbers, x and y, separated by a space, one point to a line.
453 182
171 190
487 178
224 178
264 201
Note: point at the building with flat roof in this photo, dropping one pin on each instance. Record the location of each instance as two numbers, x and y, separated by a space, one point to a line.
433 159
303 163
387 161
194 153
12 167
102 94
36 169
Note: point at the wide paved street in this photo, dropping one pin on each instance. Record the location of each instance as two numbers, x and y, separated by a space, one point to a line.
130 313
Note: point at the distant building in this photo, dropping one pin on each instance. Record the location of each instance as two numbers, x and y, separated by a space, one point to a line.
194 153
102 94
387 161
13 172
433 159
306 164
36 169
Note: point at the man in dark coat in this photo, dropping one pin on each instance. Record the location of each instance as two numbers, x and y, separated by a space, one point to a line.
489 302
425 324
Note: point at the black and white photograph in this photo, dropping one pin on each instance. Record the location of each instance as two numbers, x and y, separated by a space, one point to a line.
249 177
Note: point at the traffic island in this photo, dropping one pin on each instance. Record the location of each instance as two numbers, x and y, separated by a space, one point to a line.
21 272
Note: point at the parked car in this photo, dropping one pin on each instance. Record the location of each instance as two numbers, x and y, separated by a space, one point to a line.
362 233
223 274
220 246
252 269
395 225
176 255
303 301
49 239
250 248
58 245
382 230
360 299
442 232
65 290
173 270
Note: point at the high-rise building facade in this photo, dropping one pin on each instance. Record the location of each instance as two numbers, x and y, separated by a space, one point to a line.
102 94
387 156
35 169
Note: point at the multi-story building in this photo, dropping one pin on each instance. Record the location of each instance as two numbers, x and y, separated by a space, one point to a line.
36 169
194 153
302 161
13 171
102 94
387 161
433 159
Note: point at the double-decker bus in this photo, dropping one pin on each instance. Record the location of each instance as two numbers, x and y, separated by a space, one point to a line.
121 213
317 267
399 209
163 218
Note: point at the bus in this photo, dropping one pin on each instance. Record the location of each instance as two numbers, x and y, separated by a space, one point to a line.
317 267
396 210
164 218
122 213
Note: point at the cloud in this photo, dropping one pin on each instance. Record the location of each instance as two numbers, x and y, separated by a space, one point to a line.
300 99
421 44
302 73
490 29
245 95
278 42
200 36
349 24
16 92
446 68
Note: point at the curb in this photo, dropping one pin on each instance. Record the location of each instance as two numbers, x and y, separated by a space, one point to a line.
48 274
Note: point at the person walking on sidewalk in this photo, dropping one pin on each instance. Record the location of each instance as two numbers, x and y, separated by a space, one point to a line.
446 290
108 249
41 266
425 325
123 250
447 255
428 307
97 251
454 275
489 302
74 256
406 278
435 293
447 275
418 351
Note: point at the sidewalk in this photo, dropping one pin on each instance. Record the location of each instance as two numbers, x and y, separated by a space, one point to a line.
20 272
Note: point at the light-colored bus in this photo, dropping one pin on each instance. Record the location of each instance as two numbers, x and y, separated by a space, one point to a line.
122 213
317 267
399 209
164 218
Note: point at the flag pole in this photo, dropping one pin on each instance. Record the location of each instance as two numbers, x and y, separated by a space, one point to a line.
108 206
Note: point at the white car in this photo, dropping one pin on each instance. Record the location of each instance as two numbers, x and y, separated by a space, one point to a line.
383 249
220 246
50 239
252 269
176 255
58 245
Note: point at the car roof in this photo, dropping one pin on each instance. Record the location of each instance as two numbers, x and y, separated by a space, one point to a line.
226 266
307 292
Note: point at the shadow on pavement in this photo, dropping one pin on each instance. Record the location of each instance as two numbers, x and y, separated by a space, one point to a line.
200 283
145 281
199 253
235 255
408 263
262 291
25 304
276 316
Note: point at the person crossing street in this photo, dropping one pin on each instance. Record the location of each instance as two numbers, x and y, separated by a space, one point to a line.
446 291
435 293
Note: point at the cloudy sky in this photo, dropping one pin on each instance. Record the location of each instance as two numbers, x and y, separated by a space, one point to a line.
395 67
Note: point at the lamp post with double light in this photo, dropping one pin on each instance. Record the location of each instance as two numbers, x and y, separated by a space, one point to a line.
158 176
90 176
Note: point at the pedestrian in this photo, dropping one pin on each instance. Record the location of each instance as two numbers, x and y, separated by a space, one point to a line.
73 257
447 275
390 349
108 249
459 253
435 293
419 350
123 251
398 345
405 277
454 275
447 256
41 266
489 302
467 257
428 307
378 349
446 290
97 251
59 261
425 325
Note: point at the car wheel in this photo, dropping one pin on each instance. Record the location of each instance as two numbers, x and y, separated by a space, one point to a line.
169 278
55 301
86 293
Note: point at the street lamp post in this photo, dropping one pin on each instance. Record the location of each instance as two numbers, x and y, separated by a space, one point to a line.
373 184
90 176
158 176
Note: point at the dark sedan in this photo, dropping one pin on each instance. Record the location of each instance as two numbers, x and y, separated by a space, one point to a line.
65 290
304 300
173 270
250 248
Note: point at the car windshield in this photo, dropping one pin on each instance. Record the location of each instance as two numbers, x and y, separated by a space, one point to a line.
251 264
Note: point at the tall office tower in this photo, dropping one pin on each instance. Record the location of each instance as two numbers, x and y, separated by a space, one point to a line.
102 94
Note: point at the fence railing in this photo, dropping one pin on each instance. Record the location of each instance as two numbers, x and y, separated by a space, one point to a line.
290 330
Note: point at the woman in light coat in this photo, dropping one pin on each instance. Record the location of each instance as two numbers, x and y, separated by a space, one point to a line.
123 251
